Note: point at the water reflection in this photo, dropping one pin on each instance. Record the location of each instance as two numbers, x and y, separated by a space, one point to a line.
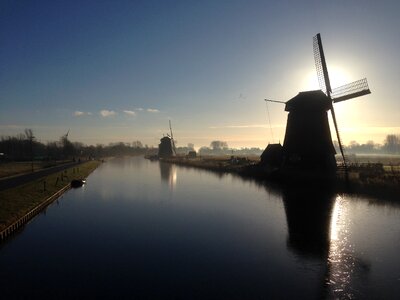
220 237
168 173
318 228
308 216
345 270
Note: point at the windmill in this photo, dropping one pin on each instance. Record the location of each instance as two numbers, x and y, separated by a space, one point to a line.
172 139
66 135
352 90
166 148
308 143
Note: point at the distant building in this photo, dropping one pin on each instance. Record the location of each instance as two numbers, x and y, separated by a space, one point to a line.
272 156
192 154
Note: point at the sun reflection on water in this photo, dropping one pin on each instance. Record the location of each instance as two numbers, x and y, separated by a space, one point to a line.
341 261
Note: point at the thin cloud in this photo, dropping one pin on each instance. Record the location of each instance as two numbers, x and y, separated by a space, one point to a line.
78 113
107 113
140 109
129 112
12 126
153 110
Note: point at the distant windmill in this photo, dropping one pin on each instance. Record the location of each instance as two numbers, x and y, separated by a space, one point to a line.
308 143
166 148
172 139
66 135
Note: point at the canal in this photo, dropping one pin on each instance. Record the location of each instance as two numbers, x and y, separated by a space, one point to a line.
142 229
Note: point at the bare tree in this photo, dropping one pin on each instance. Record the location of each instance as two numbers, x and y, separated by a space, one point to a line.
392 143
30 137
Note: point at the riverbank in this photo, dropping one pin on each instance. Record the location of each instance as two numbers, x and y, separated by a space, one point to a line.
16 202
369 178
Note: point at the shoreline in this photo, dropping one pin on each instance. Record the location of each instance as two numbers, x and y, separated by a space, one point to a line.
21 204
357 182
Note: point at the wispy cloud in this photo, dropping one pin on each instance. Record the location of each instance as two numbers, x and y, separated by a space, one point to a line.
107 113
153 110
129 112
12 126
78 113
140 109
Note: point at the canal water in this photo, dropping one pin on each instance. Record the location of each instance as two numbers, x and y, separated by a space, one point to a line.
141 229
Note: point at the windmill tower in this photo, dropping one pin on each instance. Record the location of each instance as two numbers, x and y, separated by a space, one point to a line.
308 142
166 148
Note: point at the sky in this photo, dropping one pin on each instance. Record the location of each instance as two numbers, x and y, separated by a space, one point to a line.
111 71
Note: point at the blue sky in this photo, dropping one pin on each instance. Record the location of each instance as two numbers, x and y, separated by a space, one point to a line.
119 70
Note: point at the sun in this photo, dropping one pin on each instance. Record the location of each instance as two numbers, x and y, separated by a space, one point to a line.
337 77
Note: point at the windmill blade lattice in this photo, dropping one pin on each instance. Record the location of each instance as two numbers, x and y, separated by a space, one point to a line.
320 65
352 90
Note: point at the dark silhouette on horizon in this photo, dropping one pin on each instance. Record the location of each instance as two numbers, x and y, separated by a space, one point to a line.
308 143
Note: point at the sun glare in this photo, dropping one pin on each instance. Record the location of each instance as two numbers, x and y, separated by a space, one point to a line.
337 77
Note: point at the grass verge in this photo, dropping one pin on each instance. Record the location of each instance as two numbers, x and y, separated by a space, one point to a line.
17 168
16 202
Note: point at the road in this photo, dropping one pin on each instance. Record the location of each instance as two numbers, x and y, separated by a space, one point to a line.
14 181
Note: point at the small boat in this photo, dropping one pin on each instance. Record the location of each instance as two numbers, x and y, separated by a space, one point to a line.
152 157
77 183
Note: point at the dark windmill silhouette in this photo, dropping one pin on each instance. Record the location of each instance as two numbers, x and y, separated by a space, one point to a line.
308 142
166 148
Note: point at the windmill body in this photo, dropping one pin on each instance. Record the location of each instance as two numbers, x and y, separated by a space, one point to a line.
166 148
308 141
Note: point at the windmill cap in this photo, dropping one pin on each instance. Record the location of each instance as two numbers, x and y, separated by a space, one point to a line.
310 100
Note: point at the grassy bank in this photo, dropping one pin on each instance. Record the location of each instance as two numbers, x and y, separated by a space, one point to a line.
16 168
362 176
16 202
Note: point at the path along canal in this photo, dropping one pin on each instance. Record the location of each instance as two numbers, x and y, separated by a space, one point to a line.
142 229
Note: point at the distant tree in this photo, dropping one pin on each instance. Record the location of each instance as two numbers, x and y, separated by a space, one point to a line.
30 137
218 145
137 144
68 147
190 146
392 143
204 150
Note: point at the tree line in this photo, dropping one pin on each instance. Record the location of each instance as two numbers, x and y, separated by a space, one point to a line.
25 147
391 145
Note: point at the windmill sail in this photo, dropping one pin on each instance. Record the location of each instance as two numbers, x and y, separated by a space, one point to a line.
325 84
352 90
320 65
172 138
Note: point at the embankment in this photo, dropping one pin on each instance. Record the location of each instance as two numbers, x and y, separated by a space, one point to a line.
20 204
369 179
